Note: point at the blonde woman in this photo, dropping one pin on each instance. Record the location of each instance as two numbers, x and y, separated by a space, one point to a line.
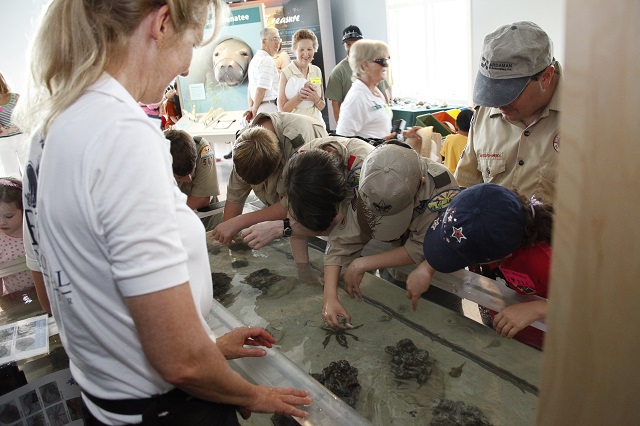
130 300
301 82
365 111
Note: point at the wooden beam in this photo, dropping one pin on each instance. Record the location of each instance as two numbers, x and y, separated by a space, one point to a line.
591 364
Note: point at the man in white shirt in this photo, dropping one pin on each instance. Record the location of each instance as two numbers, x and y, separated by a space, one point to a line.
263 75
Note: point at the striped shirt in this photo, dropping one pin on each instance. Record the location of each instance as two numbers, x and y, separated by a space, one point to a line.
6 110
5 115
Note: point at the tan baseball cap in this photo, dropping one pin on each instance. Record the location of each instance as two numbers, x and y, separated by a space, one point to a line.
389 181
510 56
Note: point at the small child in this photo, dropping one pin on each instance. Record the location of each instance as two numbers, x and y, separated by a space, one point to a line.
509 237
453 145
11 245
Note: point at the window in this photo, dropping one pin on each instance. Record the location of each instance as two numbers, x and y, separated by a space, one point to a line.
430 46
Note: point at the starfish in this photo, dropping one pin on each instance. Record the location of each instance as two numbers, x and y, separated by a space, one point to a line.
340 335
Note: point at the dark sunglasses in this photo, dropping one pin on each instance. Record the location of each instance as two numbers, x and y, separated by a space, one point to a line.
383 62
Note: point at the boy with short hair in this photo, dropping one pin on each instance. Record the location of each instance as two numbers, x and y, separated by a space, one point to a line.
454 144
194 167
259 157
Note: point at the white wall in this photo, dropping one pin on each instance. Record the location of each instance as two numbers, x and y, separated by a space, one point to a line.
368 15
18 23
486 16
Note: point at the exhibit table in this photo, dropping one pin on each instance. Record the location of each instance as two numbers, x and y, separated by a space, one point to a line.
469 366
220 132
409 112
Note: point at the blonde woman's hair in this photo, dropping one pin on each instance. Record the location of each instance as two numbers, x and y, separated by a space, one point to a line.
76 39
4 87
304 34
363 51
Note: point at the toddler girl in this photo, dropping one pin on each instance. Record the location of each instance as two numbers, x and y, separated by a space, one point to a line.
11 245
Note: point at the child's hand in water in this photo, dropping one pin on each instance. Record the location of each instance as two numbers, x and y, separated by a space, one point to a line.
335 315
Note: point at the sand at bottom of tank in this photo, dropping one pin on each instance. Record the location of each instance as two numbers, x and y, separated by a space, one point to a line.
291 310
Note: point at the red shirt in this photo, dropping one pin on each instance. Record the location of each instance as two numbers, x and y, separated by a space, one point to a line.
527 272
527 269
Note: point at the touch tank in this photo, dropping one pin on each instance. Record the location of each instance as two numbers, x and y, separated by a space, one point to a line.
432 366
456 370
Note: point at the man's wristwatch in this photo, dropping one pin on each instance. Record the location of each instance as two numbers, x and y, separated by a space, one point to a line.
287 231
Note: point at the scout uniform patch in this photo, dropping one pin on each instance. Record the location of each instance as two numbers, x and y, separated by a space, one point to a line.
441 201
353 178
206 154
206 151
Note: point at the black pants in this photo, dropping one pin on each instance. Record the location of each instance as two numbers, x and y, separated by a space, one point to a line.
178 408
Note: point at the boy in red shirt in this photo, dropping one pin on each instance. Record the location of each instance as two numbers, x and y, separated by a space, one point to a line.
494 226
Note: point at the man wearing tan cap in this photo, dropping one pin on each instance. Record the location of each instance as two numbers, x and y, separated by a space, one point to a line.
514 139
399 196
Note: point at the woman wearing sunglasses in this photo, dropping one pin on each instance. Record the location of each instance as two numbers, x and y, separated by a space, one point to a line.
365 111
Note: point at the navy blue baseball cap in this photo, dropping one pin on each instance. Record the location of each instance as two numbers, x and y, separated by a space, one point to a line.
482 224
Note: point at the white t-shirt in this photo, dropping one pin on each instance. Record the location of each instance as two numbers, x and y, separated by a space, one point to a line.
364 114
263 73
107 221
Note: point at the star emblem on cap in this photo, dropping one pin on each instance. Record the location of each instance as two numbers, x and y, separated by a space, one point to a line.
449 215
382 207
435 223
457 234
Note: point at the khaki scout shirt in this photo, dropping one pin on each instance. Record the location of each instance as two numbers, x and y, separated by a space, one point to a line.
512 155
204 182
348 239
292 131
352 151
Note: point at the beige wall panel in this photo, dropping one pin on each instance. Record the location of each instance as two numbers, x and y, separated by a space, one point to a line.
591 367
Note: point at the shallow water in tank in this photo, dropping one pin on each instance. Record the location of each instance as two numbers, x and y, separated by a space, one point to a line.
498 376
